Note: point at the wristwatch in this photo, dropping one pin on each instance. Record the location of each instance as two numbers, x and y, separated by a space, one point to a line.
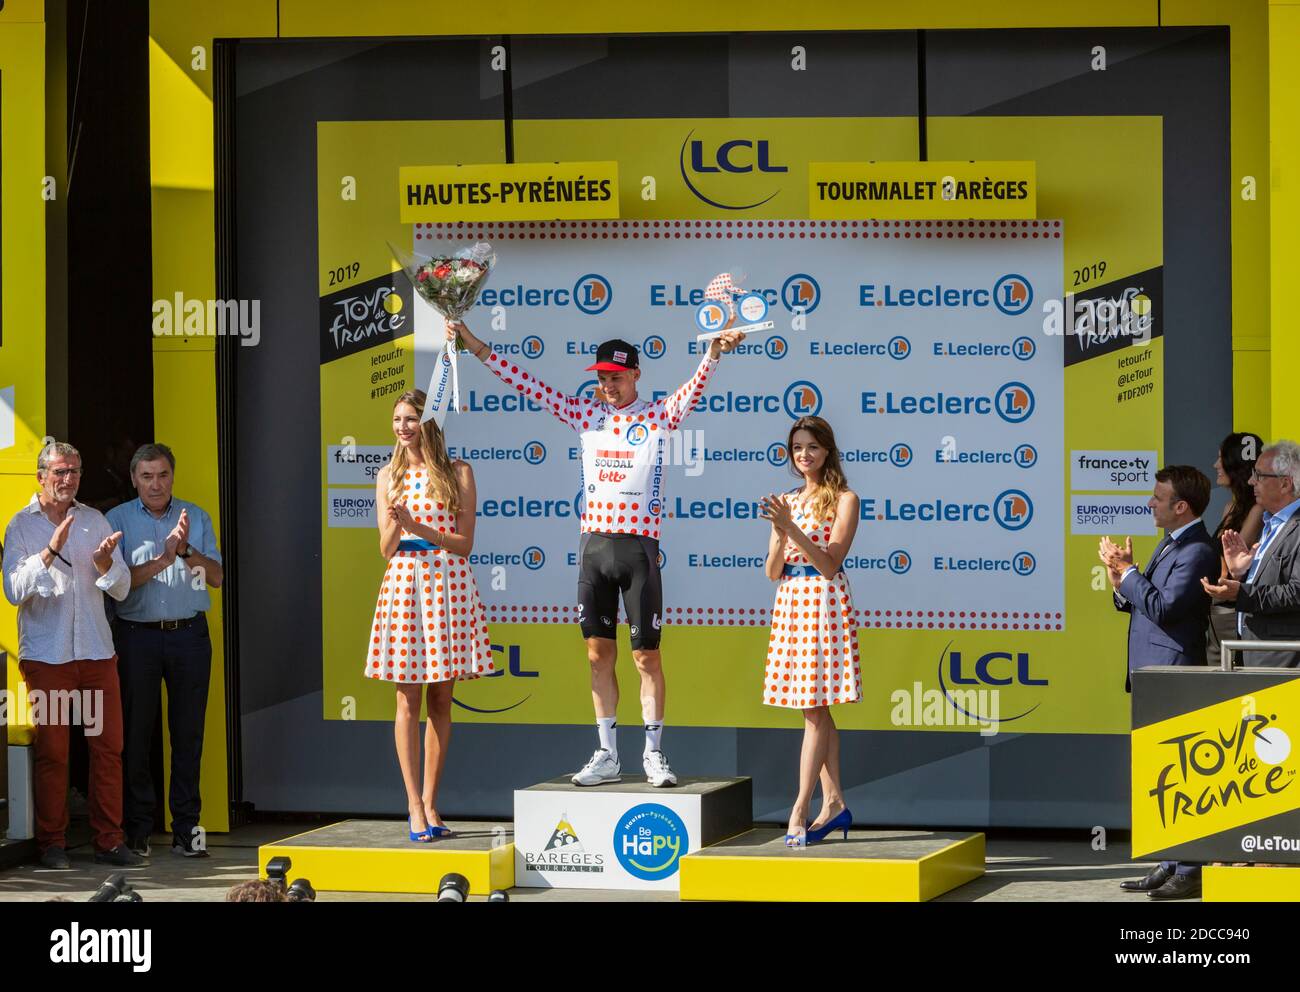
189 550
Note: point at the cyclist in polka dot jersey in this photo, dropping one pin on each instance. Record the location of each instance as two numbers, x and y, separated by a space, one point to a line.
812 653
430 628
623 439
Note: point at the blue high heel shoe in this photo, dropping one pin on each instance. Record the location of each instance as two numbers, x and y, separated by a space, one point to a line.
422 836
435 832
841 822
800 839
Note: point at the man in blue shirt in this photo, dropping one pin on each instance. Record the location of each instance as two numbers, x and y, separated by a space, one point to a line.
161 635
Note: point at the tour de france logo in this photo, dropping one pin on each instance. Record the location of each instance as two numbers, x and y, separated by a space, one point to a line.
649 841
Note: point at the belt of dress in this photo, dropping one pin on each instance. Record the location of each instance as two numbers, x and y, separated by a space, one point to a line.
417 544
162 624
802 571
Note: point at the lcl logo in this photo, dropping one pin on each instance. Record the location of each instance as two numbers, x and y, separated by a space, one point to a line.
736 156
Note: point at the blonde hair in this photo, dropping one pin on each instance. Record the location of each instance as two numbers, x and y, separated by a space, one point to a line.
833 484
433 451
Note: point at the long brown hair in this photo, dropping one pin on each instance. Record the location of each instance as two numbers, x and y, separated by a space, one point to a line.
1238 454
833 483
433 450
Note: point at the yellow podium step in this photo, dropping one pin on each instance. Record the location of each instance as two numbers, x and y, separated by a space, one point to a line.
871 866
1255 883
378 856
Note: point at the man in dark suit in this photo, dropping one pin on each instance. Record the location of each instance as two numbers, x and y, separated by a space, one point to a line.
1168 609
1265 579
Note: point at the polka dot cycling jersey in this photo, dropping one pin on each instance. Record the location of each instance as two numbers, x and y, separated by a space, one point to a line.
622 449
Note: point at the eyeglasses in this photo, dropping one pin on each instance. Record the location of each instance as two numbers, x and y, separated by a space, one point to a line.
1267 475
63 473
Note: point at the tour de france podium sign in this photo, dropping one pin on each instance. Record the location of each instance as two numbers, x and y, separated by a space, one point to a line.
1215 761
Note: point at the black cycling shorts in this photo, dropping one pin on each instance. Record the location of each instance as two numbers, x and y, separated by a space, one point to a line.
612 563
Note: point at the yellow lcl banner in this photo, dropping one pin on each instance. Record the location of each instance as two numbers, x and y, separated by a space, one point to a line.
922 190
1216 768
524 191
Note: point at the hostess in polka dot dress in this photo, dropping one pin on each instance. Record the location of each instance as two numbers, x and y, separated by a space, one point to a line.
812 655
429 624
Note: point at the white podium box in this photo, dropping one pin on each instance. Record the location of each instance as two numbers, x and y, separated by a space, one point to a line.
622 835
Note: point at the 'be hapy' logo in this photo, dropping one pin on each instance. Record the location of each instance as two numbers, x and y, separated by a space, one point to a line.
649 841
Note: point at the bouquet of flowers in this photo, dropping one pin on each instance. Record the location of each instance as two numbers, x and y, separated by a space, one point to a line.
450 284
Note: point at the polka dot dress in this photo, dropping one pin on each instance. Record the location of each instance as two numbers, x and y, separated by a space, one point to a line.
429 624
812 655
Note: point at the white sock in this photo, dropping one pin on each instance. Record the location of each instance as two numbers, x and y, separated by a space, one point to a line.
654 732
605 727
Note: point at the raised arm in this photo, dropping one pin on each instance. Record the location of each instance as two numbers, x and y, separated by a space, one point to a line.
575 411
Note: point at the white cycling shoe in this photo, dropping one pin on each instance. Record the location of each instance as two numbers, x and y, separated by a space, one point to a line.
603 767
657 772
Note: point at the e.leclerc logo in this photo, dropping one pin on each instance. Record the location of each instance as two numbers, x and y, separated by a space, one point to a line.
777 454
899 348
534 558
1013 509
705 158
900 455
1011 294
637 434
649 841
532 346
592 293
1013 402
1023 563
775 347
1024 348
900 562
534 452
802 399
800 293
654 347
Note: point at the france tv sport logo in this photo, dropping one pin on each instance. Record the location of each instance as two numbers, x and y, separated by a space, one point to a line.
1023 563
654 346
637 434
777 454
1013 509
1014 402
532 346
534 452
649 842
900 562
534 558
800 293
592 293
802 399
1012 294
775 347
899 347
1024 348
900 455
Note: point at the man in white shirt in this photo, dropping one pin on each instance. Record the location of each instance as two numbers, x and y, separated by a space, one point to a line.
60 557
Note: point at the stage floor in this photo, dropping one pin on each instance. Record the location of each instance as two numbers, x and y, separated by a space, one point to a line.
1019 868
